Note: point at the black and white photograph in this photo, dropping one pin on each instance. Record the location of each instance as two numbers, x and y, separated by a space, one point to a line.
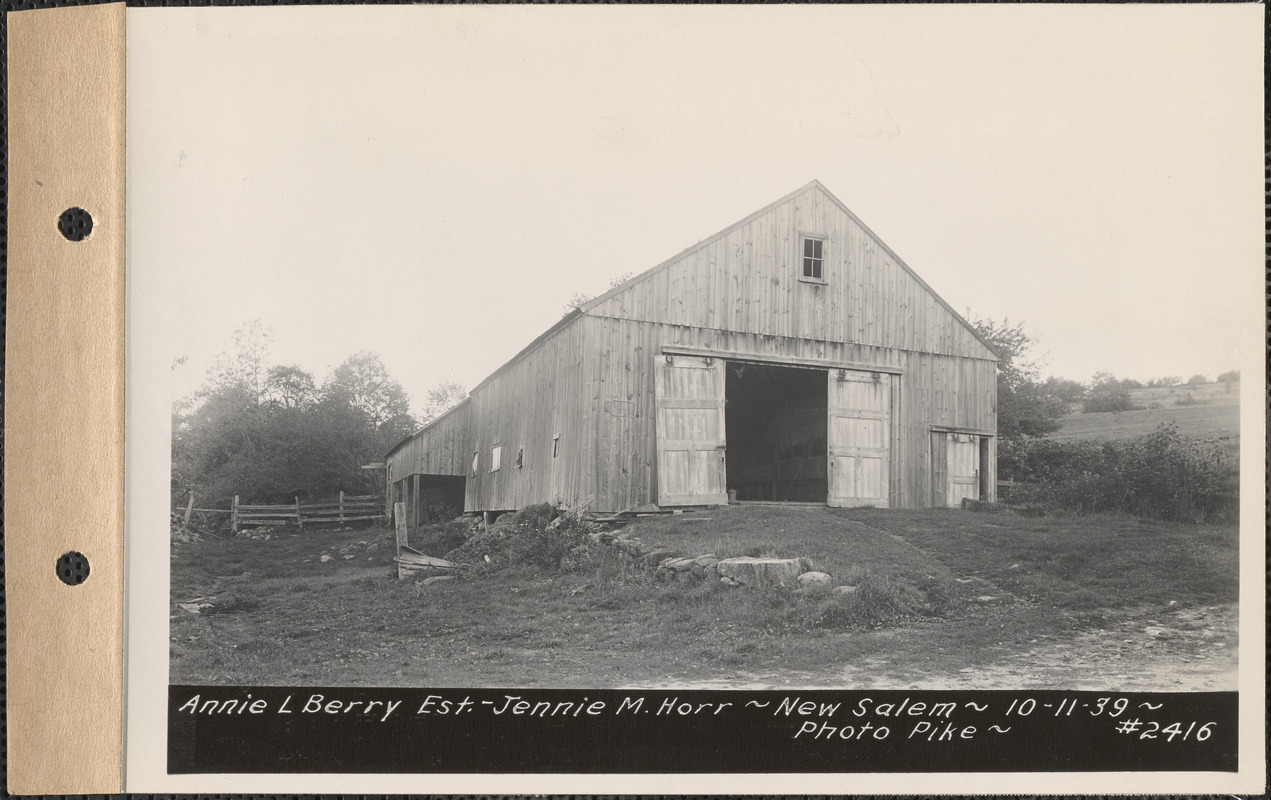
717 354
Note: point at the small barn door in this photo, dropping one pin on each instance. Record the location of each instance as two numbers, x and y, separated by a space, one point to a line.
859 434
963 465
690 431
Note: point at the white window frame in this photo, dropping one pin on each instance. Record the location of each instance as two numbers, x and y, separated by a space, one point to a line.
825 246
496 457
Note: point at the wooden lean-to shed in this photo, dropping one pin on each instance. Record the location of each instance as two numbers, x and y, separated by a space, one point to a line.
791 357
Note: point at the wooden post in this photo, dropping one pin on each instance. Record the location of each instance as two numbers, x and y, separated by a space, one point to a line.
414 500
399 519
342 506
233 515
300 523
189 507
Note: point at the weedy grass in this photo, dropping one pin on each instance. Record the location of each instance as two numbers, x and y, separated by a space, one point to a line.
280 616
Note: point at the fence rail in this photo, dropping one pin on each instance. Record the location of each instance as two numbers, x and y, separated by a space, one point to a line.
349 508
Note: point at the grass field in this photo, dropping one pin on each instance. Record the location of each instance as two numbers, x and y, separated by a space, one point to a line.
1212 414
980 600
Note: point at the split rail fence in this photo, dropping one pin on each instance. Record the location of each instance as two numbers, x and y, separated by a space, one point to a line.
349 508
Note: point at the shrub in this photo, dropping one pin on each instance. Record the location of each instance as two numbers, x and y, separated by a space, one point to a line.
540 536
1196 380
440 538
1108 398
1163 475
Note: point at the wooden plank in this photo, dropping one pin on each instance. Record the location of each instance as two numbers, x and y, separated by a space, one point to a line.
690 434
939 469
772 358
858 438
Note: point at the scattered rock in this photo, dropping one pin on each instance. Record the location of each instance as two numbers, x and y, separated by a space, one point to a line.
845 589
727 581
815 580
193 608
325 558
658 556
987 598
347 556
760 572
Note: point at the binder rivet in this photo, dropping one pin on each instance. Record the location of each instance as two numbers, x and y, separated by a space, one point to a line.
75 224
72 568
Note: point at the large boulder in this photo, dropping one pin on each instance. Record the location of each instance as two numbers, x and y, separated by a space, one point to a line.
815 582
760 573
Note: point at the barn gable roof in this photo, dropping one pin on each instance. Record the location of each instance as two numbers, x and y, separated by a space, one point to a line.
590 305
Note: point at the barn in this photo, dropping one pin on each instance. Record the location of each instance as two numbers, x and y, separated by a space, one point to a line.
791 357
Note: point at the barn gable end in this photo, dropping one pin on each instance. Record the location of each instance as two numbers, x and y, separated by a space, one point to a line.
748 279
735 369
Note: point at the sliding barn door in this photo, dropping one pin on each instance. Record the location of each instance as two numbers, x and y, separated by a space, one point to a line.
859 431
963 460
690 430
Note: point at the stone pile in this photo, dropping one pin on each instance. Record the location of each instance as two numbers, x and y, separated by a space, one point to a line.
669 566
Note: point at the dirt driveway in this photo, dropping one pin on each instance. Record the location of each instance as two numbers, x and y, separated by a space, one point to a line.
1179 651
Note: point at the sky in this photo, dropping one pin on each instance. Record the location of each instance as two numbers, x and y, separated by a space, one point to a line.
433 184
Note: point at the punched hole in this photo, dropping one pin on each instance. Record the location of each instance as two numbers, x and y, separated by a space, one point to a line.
75 224
72 568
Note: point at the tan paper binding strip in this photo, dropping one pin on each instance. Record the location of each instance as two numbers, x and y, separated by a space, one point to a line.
64 401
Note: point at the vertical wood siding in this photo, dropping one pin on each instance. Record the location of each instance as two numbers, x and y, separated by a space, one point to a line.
592 380
438 449
932 390
748 281
545 393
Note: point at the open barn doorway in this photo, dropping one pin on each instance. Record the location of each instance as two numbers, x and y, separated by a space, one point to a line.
776 432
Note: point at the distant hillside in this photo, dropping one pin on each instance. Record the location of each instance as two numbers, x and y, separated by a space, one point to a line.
1205 411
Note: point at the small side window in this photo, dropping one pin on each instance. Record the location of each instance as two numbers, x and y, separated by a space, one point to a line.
496 457
520 458
476 461
813 258
556 445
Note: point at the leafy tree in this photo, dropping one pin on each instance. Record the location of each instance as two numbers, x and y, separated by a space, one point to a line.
246 366
1025 406
441 398
1107 394
268 434
1065 390
1197 379
1227 379
1164 381
290 387
363 384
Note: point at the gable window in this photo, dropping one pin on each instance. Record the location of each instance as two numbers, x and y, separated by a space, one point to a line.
813 258
496 457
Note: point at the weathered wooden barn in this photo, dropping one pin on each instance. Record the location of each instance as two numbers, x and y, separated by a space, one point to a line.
790 357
